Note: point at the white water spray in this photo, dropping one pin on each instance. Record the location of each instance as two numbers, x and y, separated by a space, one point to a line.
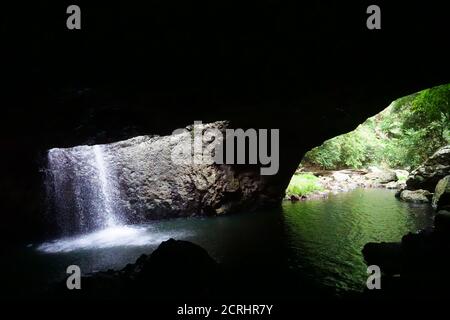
108 216
83 189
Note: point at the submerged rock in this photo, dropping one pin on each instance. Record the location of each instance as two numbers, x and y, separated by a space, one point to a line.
417 196
398 193
431 171
441 197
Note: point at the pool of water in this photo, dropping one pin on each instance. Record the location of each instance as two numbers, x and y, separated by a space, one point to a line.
325 237
318 240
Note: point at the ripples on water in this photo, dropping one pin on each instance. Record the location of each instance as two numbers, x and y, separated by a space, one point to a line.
326 236
317 239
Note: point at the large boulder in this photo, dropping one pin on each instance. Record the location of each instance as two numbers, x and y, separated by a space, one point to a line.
386 255
416 267
441 197
175 269
187 263
392 185
148 177
416 196
431 171
381 175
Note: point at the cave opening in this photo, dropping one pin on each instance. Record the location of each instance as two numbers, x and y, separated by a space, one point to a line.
110 203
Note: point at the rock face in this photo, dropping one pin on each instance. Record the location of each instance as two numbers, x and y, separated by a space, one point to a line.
441 197
417 196
156 186
431 171
150 177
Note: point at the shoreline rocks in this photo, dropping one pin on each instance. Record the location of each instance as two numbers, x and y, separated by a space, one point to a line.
431 171
416 196
345 180
421 261
430 182
418 265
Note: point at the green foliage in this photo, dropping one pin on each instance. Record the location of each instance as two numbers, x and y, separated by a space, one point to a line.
328 155
403 135
303 184
352 150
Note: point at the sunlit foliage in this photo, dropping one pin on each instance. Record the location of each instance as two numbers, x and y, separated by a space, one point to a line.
303 184
403 135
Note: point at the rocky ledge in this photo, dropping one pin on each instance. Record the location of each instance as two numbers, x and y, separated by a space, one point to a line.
431 171
429 183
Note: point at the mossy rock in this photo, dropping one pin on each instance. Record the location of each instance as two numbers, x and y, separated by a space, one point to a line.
441 197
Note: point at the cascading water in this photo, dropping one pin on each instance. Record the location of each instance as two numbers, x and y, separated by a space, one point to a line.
108 217
82 189
87 203
96 192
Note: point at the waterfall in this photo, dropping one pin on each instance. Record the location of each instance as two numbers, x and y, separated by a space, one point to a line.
82 189
107 213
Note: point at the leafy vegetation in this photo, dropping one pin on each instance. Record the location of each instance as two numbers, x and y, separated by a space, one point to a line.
303 184
403 135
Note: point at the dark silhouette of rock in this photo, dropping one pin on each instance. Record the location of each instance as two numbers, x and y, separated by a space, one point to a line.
399 193
442 223
175 269
386 255
418 265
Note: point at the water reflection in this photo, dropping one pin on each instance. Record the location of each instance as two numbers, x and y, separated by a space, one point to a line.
318 241
326 237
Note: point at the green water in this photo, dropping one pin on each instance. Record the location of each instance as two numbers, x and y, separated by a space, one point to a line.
317 240
326 237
